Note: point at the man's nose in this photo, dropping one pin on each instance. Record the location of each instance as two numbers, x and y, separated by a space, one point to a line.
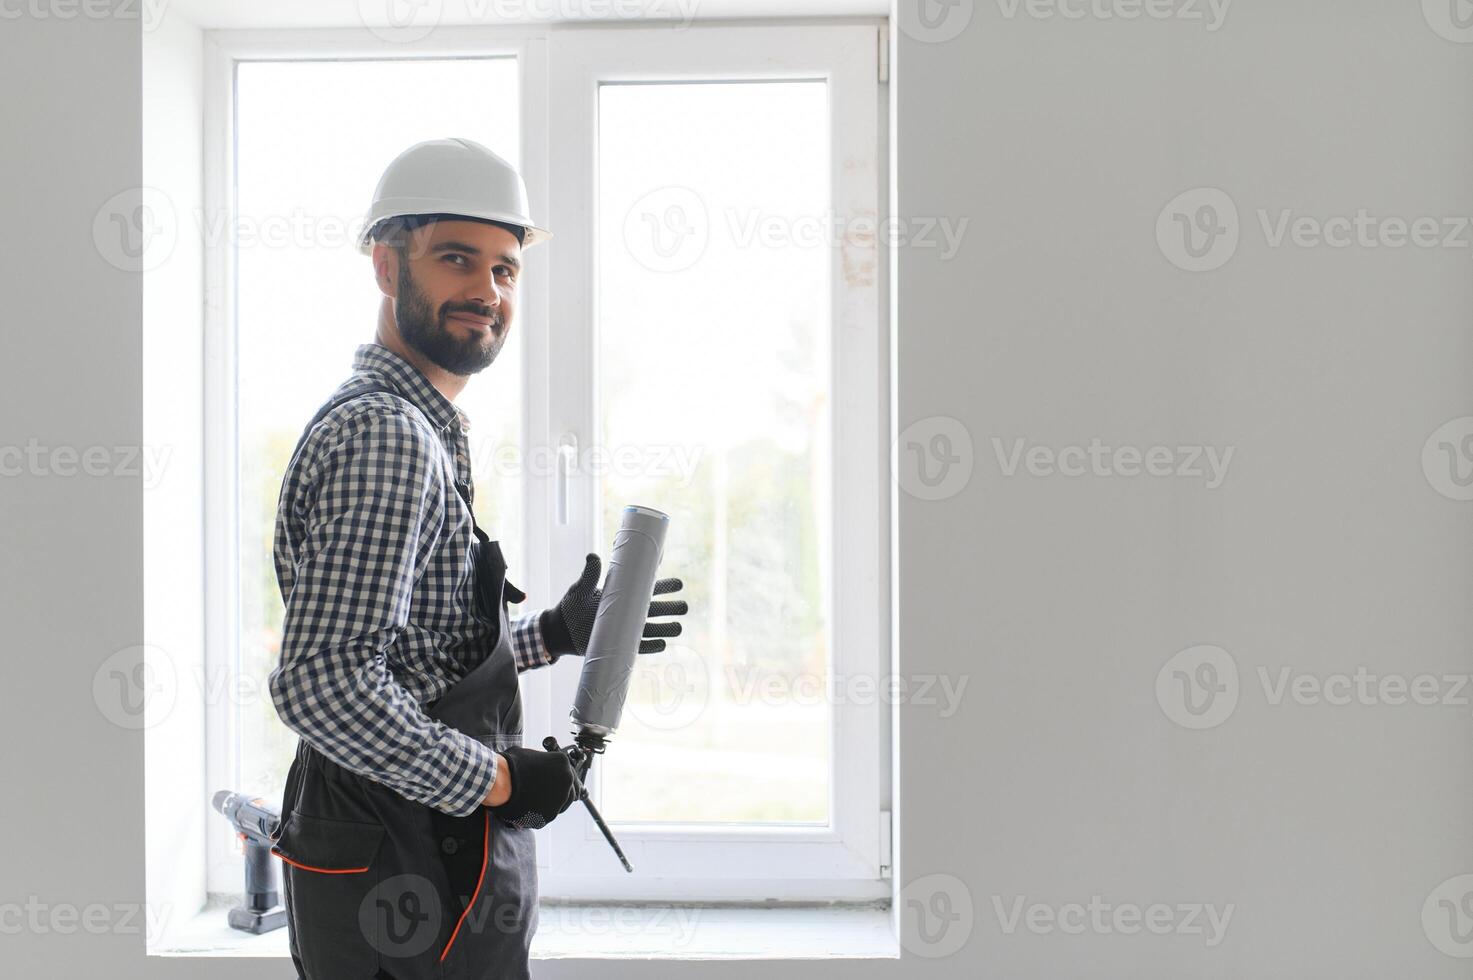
486 293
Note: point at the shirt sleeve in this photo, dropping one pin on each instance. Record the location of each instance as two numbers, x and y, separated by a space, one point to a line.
526 642
377 513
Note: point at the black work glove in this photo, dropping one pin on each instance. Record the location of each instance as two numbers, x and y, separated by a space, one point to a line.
567 626
541 787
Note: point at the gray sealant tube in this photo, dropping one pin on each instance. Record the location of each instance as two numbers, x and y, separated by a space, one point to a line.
619 624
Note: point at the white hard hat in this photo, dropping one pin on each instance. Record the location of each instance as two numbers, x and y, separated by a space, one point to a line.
451 176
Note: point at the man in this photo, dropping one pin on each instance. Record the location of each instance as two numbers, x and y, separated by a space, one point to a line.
407 817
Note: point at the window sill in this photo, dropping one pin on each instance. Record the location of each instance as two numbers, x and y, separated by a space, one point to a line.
623 932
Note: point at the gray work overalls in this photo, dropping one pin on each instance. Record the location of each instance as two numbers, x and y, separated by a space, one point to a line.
379 886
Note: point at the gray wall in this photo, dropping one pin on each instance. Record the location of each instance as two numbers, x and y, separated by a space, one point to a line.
1326 548
71 575
1333 543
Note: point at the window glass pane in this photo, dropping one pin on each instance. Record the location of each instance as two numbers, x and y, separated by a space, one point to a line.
713 337
312 140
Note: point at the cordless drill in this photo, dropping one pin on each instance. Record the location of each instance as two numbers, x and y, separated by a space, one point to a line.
256 824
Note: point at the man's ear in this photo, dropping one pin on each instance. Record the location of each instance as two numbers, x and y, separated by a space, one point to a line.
386 269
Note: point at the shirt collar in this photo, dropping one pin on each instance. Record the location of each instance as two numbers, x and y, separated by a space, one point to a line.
378 360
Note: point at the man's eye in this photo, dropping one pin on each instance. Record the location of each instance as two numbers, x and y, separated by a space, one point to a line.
461 257
506 271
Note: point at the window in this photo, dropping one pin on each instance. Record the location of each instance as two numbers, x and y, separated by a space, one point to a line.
728 727
702 336
304 303
311 137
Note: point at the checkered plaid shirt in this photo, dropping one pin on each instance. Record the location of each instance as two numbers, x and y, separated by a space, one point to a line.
372 553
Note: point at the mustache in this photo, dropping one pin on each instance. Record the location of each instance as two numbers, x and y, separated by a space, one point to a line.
495 316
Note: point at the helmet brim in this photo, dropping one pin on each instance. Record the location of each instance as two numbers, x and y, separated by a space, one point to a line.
532 234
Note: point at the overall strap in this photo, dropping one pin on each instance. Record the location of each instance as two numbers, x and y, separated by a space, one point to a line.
332 404
514 594
369 389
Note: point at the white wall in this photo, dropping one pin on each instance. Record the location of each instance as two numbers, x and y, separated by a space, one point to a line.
173 300
1059 599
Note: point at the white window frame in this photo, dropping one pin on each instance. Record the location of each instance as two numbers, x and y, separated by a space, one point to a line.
692 862
559 70
224 51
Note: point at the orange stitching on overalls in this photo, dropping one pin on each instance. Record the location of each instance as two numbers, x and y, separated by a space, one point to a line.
485 860
325 871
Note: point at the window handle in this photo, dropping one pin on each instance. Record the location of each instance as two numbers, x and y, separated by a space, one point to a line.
567 454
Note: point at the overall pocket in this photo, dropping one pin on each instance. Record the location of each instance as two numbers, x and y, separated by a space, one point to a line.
330 876
330 847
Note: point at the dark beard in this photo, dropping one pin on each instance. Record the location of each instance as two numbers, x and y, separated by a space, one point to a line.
428 333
